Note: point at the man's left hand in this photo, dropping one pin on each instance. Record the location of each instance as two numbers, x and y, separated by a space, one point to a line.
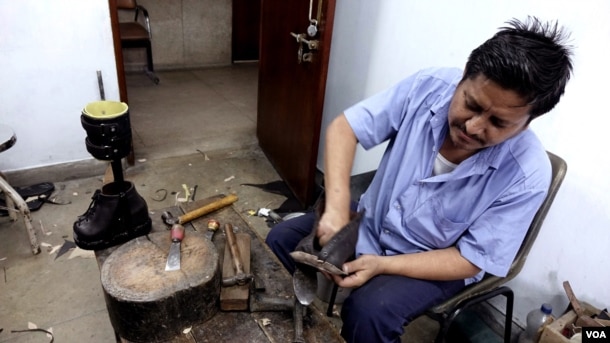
360 271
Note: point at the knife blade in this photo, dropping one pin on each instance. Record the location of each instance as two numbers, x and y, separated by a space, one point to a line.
173 258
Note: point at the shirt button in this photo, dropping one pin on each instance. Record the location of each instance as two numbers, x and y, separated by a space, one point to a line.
386 231
397 207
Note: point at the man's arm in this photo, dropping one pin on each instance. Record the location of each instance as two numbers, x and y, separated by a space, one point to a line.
338 160
442 264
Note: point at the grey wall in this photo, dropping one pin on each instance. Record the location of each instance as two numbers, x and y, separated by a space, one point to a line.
186 33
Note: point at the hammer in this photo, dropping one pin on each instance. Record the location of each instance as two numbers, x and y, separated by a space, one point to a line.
203 210
240 278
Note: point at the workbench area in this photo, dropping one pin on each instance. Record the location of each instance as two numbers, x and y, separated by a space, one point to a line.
271 281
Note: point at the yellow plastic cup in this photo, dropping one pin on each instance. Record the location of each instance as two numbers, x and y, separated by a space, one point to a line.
105 109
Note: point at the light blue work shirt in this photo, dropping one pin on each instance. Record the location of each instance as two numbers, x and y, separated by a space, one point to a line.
483 207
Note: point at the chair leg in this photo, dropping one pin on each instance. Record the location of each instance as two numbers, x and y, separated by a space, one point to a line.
510 297
150 69
15 202
445 320
445 323
331 301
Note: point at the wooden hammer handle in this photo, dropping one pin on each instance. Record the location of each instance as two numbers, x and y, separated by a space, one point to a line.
232 241
211 207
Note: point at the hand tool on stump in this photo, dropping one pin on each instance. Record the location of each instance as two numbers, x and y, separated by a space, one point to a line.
212 227
240 278
236 277
173 258
192 215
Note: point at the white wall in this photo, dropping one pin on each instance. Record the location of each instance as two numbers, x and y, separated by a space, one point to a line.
376 43
49 54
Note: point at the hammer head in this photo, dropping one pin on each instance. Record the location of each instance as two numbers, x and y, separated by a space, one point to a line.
168 218
238 279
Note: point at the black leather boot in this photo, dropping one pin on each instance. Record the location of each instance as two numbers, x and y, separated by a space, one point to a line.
117 213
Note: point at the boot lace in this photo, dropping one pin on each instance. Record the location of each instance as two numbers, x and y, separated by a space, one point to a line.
91 209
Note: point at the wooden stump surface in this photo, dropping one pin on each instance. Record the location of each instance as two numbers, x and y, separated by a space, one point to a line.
241 326
136 270
145 302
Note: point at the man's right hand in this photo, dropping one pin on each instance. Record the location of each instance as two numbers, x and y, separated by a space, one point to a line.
330 223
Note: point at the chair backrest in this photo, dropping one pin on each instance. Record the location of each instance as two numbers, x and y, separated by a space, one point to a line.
126 4
559 169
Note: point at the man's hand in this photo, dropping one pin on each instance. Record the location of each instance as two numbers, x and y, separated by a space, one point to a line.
330 223
360 271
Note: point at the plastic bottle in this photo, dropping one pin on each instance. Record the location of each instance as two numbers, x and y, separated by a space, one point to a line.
535 320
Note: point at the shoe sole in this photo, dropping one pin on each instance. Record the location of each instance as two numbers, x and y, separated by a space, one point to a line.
121 238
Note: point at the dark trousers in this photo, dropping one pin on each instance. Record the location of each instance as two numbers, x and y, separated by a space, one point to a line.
378 310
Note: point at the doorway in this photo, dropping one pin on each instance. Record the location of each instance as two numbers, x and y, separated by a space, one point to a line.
304 83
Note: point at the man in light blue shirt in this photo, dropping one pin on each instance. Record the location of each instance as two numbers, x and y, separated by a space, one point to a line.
486 219
457 187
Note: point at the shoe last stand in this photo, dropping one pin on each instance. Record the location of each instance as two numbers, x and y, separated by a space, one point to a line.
117 212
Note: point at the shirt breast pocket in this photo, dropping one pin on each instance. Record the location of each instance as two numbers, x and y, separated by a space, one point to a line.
431 224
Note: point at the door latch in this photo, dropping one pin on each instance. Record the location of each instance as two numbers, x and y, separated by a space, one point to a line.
310 44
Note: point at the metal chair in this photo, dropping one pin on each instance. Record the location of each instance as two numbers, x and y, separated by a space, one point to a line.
135 34
492 286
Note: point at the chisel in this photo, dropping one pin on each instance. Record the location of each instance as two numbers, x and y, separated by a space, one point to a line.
173 259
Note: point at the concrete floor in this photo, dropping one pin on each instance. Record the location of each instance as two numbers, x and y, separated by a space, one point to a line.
196 127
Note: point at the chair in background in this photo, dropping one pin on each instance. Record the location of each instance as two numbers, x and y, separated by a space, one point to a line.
492 286
137 34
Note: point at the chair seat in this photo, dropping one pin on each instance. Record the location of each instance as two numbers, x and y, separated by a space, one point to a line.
133 31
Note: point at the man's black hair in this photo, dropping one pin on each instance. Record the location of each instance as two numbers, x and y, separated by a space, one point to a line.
530 58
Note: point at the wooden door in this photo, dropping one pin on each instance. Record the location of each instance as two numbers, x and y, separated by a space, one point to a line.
291 91
118 51
120 68
246 28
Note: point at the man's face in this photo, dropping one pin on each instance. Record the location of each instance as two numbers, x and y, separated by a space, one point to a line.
483 114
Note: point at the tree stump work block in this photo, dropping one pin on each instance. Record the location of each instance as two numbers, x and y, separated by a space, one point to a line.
148 304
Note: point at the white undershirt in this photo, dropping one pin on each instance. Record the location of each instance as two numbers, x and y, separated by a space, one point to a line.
442 165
